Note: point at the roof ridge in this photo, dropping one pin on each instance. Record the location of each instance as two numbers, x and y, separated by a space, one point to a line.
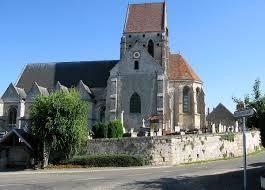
163 2
66 62
85 86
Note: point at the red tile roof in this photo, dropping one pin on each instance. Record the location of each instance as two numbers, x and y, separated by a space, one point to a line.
147 17
179 69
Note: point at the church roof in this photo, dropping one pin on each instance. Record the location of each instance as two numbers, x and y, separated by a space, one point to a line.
37 90
61 87
13 90
92 73
147 17
179 69
221 115
87 89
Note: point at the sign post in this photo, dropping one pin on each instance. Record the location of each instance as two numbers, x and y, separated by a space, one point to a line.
243 114
244 153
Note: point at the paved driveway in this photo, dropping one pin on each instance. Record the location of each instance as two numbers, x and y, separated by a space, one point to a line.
219 175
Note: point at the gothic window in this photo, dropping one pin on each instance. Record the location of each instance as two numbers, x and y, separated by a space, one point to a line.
151 48
186 100
135 103
12 116
136 65
198 98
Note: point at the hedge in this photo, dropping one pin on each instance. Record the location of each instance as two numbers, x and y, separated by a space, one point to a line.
120 160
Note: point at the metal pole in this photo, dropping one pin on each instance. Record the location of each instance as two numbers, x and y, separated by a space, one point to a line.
244 153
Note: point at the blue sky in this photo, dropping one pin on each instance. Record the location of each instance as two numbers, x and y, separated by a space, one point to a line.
224 41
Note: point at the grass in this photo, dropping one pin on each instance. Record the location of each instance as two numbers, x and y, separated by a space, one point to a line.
224 158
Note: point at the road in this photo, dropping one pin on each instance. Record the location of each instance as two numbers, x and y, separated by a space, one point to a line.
220 175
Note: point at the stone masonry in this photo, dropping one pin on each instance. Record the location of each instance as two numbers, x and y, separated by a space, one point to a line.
174 150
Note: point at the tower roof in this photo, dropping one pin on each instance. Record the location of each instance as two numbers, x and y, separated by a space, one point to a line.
179 69
147 17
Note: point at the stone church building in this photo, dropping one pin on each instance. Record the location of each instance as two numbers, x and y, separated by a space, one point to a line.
149 81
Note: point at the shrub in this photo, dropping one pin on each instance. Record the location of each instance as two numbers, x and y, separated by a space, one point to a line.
111 130
100 130
116 128
120 160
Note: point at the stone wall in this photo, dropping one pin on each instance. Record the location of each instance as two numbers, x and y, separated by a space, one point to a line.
172 150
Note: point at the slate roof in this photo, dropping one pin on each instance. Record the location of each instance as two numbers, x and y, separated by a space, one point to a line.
43 91
92 73
147 17
20 133
179 69
81 84
21 92
61 87
221 115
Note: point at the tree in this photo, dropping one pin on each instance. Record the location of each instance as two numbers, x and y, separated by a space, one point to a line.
59 123
257 101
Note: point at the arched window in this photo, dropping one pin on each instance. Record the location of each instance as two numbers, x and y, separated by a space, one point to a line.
198 98
186 100
136 65
12 116
135 103
151 48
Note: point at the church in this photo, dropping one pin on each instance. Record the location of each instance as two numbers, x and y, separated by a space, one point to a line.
148 84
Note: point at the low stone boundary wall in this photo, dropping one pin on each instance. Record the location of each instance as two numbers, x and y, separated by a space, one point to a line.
173 150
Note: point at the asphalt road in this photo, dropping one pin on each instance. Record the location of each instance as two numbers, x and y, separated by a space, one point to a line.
219 175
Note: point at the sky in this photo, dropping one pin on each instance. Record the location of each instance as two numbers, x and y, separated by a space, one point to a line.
223 41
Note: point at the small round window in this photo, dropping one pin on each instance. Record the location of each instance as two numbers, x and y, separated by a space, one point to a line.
136 55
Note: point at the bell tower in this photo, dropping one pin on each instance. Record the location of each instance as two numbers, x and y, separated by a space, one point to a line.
146 24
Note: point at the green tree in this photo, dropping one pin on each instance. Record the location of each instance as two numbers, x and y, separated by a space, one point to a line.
257 101
59 123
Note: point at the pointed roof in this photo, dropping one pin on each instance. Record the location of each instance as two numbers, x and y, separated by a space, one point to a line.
12 89
21 92
146 17
221 115
179 69
59 86
21 134
82 84
38 89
